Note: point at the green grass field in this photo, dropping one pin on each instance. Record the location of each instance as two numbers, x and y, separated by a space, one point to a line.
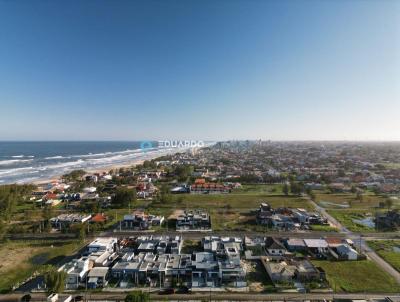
236 201
273 189
323 228
357 276
385 249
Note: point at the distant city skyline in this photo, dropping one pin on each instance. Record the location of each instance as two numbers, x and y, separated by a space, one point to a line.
201 70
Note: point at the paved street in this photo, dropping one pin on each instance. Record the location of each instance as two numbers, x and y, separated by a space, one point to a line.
101 296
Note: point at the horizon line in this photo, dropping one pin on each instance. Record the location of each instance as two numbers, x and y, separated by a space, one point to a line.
208 140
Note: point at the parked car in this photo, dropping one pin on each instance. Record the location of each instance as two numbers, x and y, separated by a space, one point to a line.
166 291
183 290
26 298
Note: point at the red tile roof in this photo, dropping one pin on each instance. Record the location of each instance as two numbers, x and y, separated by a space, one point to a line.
99 218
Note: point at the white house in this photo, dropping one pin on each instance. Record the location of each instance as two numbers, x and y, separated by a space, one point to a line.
102 244
345 250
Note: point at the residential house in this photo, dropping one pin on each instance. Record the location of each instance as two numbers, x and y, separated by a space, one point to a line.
388 221
279 271
97 277
346 252
76 270
318 247
65 220
102 244
140 221
295 245
274 247
193 220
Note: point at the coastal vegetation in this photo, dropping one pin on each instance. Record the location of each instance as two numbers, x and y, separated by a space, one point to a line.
55 281
124 197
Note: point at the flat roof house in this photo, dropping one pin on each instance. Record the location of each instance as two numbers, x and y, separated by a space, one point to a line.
316 246
138 220
179 269
128 267
97 277
295 244
65 220
103 244
193 220
205 271
76 270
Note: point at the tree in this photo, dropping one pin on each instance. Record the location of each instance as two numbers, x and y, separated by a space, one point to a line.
123 197
137 296
183 172
376 190
341 173
350 203
3 230
74 175
296 188
312 195
55 281
147 164
285 189
47 214
389 203
10 197
165 195
82 233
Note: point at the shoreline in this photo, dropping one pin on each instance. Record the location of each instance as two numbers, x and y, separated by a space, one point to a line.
54 175
104 169
99 170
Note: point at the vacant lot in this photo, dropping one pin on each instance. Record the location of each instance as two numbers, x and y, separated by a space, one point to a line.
357 276
233 220
236 201
270 189
228 211
257 278
21 258
348 218
388 250
323 228
339 200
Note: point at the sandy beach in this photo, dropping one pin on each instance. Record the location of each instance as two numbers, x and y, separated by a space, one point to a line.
107 168
100 170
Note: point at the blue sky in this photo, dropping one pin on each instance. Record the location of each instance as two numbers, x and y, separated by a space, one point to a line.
212 70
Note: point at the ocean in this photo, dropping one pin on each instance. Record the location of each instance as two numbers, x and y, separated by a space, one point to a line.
24 162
